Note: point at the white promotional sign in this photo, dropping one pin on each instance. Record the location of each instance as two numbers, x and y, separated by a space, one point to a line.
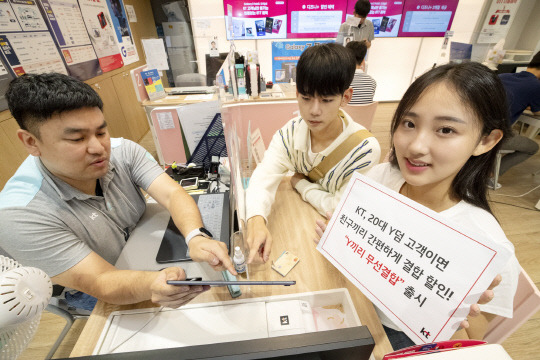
420 270
498 20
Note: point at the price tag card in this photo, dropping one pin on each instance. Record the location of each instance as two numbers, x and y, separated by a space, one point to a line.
418 268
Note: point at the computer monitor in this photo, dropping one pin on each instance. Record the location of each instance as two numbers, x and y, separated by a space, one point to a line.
511 67
213 64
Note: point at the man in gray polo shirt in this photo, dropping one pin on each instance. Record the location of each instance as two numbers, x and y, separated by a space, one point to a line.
72 204
364 31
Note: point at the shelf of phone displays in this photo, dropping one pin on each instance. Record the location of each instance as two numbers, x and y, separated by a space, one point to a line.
174 326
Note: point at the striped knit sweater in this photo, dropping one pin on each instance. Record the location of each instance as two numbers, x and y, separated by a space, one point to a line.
288 151
363 88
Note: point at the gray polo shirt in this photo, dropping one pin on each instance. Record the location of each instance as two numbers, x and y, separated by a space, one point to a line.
48 224
365 31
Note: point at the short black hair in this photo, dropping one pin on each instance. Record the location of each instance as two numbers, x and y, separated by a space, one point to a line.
325 70
359 50
362 8
35 98
535 61
481 90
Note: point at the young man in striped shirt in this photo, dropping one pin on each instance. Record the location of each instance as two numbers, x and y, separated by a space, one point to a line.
363 84
324 73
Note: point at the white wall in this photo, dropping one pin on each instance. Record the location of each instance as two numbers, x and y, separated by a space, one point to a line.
531 28
393 62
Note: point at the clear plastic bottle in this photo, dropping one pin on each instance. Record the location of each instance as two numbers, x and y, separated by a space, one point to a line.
239 260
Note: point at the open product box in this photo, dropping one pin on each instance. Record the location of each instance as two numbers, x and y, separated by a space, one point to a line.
230 321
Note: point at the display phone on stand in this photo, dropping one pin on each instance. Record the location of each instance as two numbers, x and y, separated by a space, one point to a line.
189 183
203 185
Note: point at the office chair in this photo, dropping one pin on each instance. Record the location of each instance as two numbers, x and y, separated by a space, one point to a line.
70 316
190 79
498 158
362 114
526 304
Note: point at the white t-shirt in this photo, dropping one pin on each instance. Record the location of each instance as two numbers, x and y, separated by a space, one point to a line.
471 217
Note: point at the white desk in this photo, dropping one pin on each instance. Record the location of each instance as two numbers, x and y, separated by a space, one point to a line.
143 244
291 218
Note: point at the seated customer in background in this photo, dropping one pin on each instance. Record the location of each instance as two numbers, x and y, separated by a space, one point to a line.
71 205
523 91
363 84
323 75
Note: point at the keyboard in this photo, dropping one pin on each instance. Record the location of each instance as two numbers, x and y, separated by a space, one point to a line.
192 90
211 207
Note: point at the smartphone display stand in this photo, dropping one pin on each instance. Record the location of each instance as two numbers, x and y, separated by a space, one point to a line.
212 144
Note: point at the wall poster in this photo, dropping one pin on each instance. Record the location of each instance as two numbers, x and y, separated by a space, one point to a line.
498 20
126 45
67 27
285 55
100 28
23 34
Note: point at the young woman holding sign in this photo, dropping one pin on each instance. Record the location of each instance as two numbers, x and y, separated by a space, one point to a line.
446 132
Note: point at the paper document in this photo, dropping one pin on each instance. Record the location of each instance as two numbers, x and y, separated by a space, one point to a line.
257 145
420 269
156 57
195 119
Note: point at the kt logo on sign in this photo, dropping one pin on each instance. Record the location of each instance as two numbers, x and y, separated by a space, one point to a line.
425 333
284 320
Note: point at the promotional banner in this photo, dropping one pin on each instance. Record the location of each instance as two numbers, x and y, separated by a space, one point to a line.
67 27
498 20
423 18
419 268
8 21
257 19
19 48
102 35
27 14
315 18
5 79
25 34
127 47
285 55
385 15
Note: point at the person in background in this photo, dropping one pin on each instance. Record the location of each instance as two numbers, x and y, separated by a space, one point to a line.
72 204
523 92
364 31
363 84
323 76
446 132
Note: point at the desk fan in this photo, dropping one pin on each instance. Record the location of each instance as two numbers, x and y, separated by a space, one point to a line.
24 293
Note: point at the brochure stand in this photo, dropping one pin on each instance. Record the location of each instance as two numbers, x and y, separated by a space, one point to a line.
212 144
